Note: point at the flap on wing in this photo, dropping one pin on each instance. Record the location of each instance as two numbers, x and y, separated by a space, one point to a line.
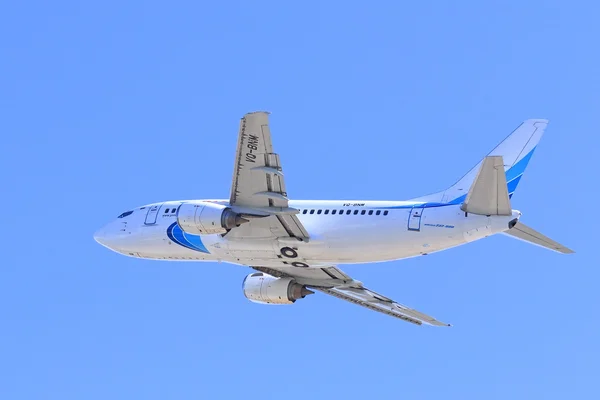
488 194
327 277
257 176
279 226
376 302
335 282
258 187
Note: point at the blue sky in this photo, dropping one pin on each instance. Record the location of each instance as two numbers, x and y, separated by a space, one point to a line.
108 106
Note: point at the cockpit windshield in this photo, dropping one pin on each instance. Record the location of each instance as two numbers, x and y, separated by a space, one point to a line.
126 213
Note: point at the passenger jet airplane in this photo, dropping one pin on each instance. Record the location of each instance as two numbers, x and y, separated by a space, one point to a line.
295 245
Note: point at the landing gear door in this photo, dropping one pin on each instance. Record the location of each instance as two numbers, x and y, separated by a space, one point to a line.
414 219
152 214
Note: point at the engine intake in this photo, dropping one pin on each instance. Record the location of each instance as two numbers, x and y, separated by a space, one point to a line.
207 218
266 289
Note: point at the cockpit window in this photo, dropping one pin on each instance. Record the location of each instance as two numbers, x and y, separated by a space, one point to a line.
126 213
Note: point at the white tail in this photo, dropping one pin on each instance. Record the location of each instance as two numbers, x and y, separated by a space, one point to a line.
516 151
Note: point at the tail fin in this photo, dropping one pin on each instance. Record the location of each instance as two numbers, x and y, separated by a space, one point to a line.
516 151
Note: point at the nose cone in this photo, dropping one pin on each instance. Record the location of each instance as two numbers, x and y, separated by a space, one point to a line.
100 236
107 237
117 237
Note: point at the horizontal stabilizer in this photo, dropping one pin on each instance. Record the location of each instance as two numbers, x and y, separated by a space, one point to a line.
488 194
523 232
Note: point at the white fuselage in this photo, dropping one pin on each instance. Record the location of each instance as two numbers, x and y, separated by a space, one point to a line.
340 232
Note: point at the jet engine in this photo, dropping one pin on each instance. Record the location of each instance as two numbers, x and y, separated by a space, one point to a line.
203 218
266 289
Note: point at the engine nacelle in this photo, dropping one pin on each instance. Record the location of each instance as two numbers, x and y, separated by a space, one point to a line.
266 289
204 218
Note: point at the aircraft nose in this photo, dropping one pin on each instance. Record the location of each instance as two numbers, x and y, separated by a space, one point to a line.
100 236
107 237
113 236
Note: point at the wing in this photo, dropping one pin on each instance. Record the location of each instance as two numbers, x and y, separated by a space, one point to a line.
258 186
333 281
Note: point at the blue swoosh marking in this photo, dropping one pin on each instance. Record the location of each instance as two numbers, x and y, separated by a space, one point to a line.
193 242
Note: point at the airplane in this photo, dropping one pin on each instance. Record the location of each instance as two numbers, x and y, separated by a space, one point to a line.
295 246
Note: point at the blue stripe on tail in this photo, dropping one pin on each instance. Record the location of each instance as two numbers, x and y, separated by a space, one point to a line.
518 169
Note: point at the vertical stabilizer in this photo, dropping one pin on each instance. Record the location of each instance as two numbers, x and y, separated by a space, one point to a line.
516 151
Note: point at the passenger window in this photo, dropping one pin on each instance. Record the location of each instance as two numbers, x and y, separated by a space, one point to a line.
362 212
319 212
326 212
348 212
355 212
167 211
126 213
370 212
304 211
341 212
333 212
312 211
378 212
385 212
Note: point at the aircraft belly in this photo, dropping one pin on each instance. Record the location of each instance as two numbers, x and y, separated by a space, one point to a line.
440 228
243 249
374 245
